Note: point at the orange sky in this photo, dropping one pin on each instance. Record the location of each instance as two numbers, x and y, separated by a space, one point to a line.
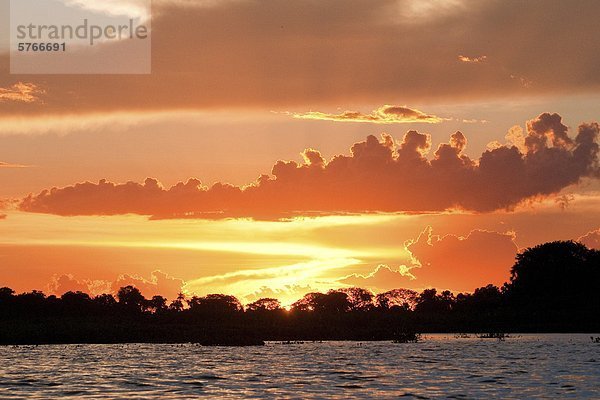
309 145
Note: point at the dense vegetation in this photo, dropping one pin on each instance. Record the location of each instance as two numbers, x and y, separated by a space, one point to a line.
554 287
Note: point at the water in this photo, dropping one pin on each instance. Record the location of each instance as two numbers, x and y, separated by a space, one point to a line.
442 366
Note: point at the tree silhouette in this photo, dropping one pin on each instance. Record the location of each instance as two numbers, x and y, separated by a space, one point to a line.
404 299
332 302
105 300
359 299
215 305
157 304
177 305
131 298
266 304
556 283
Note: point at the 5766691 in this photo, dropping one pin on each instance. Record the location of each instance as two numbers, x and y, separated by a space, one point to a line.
41 47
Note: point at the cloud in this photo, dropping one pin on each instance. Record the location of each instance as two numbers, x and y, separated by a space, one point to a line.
9 165
381 279
564 201
384 115
472 60
287 294
591 239
475 121
462 263
516 137
21 93
289 54
130 8
159 283
379 176
281 279
5 204
62 284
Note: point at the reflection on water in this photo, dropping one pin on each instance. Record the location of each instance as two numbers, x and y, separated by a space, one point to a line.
442 366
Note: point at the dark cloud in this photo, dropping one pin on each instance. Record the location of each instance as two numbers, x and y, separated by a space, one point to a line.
338 52
377 176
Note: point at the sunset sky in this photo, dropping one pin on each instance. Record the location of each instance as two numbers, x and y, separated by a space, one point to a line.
284 147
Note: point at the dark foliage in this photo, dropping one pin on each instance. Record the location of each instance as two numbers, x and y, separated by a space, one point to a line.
554 287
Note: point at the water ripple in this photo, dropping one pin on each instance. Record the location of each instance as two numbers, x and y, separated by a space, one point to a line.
443 366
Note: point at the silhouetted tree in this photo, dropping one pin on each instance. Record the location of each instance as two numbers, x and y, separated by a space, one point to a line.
215 305
359 299
157 304
131 298
556 284
75 302
333 302
266 304
404 299
177 305
6 294
105 300
556 271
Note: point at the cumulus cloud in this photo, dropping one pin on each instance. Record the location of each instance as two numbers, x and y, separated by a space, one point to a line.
378 176
384 115
516 137
21 92
290 54
62 284
462 263
381 279
591 239
159 283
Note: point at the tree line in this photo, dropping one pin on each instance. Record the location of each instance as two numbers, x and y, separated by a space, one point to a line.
554 287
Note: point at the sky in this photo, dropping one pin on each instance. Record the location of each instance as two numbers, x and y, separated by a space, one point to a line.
283 147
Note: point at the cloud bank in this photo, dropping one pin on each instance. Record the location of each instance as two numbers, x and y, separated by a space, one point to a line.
280 54
159 283
378 176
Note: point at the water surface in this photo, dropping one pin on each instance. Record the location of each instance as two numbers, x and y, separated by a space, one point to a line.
441 366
